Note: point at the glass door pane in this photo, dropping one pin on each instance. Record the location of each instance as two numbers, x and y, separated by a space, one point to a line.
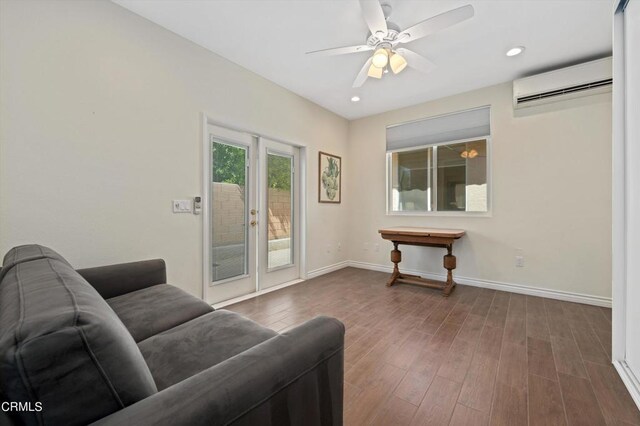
279 229
280 210
229 211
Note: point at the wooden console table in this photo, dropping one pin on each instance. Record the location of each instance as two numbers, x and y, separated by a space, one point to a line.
428 237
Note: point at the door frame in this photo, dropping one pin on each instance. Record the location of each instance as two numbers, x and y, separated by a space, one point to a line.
207 120
265 148
623 180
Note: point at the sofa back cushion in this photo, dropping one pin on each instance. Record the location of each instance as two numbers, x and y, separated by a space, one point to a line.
62 345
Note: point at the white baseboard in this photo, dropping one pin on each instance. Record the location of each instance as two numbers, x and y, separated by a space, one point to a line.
310 274
256 294
629 379
327 269
495 285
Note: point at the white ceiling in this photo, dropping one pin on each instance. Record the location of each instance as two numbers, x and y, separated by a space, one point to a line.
270 38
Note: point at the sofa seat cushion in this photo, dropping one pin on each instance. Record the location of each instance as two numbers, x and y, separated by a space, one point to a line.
156 309
201 343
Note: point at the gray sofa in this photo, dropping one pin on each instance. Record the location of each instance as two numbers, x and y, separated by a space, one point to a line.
115 345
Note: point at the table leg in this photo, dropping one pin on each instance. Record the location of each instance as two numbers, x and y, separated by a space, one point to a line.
449 262
396 257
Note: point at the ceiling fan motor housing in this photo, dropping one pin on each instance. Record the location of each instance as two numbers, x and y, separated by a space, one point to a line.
393 30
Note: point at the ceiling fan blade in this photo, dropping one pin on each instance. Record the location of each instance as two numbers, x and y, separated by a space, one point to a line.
436 23
374 16
416 61
340 50
362 75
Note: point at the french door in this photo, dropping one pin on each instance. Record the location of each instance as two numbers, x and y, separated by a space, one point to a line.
252 216
278 240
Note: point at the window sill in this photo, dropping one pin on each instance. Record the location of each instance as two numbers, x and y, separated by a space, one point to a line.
440 214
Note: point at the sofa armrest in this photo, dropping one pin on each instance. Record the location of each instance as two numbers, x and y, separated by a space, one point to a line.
295 378
114 280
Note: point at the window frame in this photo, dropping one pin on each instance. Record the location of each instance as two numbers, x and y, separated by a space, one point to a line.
389 189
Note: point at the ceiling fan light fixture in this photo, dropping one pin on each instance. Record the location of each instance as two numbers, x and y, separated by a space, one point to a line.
380 58
397 63
375 72
472 153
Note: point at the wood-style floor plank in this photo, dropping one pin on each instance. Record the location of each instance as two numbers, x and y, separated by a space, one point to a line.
540 359
538 327
483 303
395 411
367 404
515 330
477 389
471 328
509 406
581 405
512 368
567 357
414 385
545 402
456 363
350 394
498 311
477 357
589 345
465 416
438 404
610 392
402 356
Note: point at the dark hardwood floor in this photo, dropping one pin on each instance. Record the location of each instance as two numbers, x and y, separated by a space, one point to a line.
478 357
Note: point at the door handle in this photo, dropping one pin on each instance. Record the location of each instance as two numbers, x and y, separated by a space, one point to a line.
253 212
253 223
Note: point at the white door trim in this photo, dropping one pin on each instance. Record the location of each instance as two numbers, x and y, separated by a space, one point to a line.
207 120
206 209
624 177
619 226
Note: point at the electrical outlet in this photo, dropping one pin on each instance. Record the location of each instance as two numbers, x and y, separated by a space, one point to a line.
328 248
376 247
365 246
519 261
339 247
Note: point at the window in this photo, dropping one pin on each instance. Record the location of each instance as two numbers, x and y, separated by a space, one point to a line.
440 164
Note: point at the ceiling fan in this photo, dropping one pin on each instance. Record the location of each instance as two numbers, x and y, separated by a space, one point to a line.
384 37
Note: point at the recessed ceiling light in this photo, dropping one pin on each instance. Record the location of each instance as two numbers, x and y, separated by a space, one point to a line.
355 99
514 51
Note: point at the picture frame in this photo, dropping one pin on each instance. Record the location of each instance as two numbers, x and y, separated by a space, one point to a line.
329 178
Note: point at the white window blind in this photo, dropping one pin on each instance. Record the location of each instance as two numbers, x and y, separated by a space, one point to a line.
457 126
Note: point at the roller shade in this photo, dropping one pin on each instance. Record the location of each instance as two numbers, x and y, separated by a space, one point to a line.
444 128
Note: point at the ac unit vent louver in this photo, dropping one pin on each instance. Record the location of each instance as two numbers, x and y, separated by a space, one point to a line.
567 83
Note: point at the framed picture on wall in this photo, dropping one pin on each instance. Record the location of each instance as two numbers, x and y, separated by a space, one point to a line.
329 178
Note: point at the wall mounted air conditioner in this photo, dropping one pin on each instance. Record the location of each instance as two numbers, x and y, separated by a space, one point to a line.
580 80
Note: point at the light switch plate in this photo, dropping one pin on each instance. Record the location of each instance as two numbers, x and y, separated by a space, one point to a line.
182 206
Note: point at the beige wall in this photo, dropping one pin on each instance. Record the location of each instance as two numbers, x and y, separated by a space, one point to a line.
101 129
551 195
